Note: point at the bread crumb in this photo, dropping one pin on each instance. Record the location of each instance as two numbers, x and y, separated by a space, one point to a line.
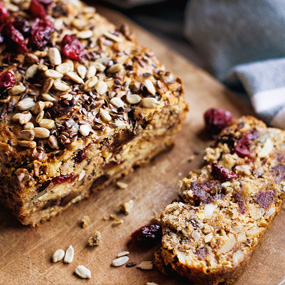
85 222
113 217
121 185
126 206
191 158
95 239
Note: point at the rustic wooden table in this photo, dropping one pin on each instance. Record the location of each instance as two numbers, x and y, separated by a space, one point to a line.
26 252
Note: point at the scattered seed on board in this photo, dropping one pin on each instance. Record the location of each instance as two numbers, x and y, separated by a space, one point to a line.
95 239
117 222
150 283
58 255
83 272
145 265
131 264
85 222
123 253
120 261
126 207
69 255
122 185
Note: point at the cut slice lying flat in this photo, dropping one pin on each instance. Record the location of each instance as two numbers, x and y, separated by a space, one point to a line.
225 208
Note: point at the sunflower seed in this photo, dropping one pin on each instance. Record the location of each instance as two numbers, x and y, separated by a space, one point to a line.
101 87
117 102
145 265
48 97
105 115
41 133
90 83
133 98
30 144
149 86
65 67
120 261
60 85
17 89
149 102
75 77
40 116
47 123
58 255
85 34
54 56
99 66
53 74
22 118
122 185
112 37
47 85
126 206
29 126
81 70
83 272
81 175
115 68
26 104
91 71
117 222
31 71
123 253
27 135
69 255
52 140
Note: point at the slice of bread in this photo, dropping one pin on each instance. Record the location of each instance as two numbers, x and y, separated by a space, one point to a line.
225 208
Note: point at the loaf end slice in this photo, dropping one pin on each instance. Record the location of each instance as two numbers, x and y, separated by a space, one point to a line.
225 207
83 105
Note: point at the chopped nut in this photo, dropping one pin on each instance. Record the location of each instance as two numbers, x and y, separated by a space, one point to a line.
85 34
133 98
228 245
58 255
81 175
85 130
53 74
105 115
75 77
120 261
31 58
69 255
54 56
31 71
41 133
126 206
101 87
47 123
117 222
95 239
26 104
22 118
123 253
149 86
145 265
122 185
112 37
117 102
83 272
85 221
149 102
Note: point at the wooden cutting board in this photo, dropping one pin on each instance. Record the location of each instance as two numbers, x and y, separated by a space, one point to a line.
26 252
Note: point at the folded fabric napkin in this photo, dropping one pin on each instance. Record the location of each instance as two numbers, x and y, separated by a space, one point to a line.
242 43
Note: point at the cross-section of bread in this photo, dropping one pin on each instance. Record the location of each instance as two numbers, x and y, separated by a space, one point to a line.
81 103
225 208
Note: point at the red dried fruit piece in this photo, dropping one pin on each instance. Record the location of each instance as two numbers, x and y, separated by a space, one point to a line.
45 2
62 178
4 13
279 172
251 135
221 173
72 48
264 199
147 236
37 9
216 120
242 147
7 79
22 25
40 33
14 38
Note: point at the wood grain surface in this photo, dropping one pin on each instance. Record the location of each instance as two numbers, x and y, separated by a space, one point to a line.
26 252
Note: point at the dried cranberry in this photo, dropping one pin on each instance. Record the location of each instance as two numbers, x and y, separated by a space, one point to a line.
40 33
279 172
4 13
251 135
221 173
37 9
72 48
22 25
81 155
60 108
14 38
242 147
147 236
264 199
239 199
62 178
216 120
7 79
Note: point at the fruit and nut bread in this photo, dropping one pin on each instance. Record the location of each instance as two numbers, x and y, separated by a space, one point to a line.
224 209
81 103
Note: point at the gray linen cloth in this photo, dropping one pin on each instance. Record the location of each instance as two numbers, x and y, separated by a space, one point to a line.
242 43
